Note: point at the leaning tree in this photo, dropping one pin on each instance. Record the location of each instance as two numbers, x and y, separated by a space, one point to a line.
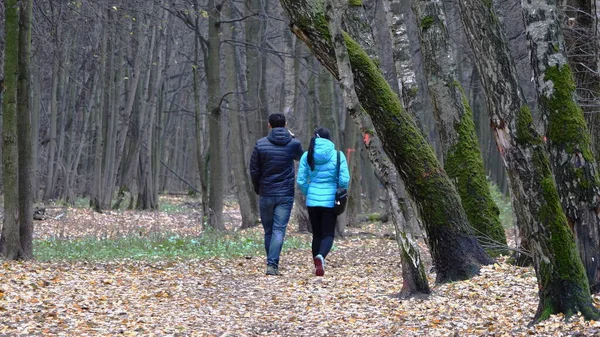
455 251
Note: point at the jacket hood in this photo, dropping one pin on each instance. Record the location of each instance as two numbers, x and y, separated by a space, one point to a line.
324 150
279 136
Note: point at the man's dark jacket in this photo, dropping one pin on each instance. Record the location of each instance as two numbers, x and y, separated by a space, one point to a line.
272 163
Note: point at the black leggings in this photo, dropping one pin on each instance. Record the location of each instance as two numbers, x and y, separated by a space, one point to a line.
322 220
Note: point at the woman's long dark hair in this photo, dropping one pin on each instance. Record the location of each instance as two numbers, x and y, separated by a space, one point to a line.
320 132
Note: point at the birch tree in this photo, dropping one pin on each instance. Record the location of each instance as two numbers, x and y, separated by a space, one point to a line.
413 272
562 284
460 146
571 156
456 253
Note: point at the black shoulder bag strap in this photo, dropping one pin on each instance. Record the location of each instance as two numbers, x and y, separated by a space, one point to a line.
337 176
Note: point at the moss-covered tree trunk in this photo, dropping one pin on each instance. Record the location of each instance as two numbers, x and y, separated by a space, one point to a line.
462 158
24 132
413 272
455 251
10 240
571 156
582 40
562 283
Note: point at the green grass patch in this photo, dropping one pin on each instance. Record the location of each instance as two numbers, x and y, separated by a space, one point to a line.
163 246
173 208
504 205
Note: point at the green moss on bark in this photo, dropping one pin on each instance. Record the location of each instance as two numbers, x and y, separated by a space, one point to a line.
464 165
426 175
525 134
427 22
355 2
562 280
567 128
316 22
453 245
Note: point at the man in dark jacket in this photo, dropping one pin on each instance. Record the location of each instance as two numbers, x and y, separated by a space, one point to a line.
273 176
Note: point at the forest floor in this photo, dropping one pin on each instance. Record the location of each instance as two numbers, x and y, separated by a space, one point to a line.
219 296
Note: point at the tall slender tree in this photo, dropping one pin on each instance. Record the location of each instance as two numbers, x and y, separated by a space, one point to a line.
10 240
213 105
24 132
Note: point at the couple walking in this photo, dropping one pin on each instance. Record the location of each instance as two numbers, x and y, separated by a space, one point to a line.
272 171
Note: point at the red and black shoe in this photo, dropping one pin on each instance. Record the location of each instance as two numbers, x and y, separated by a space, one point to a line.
319 265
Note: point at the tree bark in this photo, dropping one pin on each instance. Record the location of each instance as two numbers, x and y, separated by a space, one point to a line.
413 272
460 146
199 131
97 189
213 78
254 34
24 132
35 126
563 286
582 41
571 156
456 253
248 210
10 239
57 71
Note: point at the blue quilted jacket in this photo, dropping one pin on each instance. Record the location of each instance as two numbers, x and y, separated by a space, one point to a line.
319 184
272 163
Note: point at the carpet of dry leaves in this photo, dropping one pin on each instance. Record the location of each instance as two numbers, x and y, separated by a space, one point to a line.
233 297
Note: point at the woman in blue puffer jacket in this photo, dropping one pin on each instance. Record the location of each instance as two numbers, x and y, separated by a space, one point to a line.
317 181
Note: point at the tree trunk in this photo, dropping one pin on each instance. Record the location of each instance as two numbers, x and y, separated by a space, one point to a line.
57 71
381 20
139 48
287 101
10 238
456 253
248 210
302 125
24 132
78 149
254 34
462 157
114 76
147 196
571 156
213 78
348 218
563 286
200 152
35 127
97 189
415 280
582 41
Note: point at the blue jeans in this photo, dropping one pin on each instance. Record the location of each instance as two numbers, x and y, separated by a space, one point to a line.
274 215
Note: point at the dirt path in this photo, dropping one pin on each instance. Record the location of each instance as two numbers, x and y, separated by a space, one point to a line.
233 297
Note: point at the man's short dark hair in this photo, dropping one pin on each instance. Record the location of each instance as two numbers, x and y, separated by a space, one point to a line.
277 120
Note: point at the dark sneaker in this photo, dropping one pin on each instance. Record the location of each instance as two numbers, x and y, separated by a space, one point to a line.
272 270
319 265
